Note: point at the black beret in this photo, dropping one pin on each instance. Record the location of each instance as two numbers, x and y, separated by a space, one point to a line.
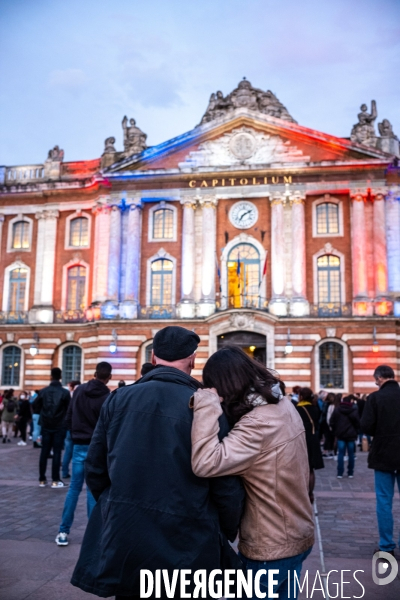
173 343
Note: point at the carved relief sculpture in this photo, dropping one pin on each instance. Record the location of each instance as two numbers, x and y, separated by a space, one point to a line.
134 138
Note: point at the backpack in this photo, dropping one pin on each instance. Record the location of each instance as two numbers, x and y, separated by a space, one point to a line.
11 406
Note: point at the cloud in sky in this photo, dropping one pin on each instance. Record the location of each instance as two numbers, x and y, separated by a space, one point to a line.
92 62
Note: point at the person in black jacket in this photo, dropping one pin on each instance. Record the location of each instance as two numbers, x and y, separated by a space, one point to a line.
23 416
152 512
345 423
52 403
310 415
82 416
381 419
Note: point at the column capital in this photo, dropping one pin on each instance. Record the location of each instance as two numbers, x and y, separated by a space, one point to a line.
47 214
277 198
190 202
297 198
207 201
359 194
136 204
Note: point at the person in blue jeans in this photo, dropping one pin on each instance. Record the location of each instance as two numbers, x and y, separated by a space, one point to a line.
345 423
68 443
81 420
381 419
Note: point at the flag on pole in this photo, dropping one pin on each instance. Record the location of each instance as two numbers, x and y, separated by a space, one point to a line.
218 272
238 270
264 269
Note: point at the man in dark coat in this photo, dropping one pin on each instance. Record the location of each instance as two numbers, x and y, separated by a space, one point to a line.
52 404
381 419
152 512
345 423
81 420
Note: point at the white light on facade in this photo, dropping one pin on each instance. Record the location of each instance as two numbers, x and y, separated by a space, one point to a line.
289 345
113 343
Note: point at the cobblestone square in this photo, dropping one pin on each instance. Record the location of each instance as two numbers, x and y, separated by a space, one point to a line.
33 567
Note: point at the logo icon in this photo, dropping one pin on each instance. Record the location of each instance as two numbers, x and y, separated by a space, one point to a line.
385 560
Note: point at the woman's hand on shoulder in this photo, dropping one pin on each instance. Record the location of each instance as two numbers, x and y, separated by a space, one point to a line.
205 395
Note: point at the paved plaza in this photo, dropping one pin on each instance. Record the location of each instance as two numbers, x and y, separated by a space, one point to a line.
33 567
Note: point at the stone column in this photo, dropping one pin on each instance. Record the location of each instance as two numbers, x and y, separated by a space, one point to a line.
299 306
380 255
187 304
393 245
101 250
114 255
45 264
278 304
361 302
129 308
1 230
207 303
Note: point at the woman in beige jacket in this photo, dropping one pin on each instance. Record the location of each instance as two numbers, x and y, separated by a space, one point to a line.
267 447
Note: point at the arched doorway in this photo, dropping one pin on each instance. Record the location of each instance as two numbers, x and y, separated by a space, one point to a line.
254 344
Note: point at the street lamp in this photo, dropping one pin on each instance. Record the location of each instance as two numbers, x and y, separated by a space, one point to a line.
289 345
33 350
113 343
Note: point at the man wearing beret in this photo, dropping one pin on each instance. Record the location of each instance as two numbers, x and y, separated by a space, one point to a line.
152 512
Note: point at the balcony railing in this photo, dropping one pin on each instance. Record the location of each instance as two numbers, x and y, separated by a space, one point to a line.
23 174
70 316
330 309
14 317
157 312
242 301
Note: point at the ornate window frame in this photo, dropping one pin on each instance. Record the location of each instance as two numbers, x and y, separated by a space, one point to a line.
76 215
327 198
74 262
330 250
11 224
160 254
18 264
242 238
152 210
22 365
61 349
346 373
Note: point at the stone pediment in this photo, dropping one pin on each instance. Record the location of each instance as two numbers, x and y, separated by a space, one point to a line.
243 146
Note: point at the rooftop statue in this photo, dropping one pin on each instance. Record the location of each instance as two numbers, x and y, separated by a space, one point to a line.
363 132
134 138
245 96
109 145
386 130
56 154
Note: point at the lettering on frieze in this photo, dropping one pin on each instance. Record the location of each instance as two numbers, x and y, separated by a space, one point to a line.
231 181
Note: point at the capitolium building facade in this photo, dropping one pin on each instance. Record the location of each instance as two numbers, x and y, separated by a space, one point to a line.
250 229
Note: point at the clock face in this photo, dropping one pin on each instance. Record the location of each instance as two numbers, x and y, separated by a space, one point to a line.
243 215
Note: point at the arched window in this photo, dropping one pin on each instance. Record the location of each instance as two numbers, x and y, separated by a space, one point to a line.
20 235
328 279
76 288
331 365
163 224
11 366
327 218
71 364
243 276
161 282
17 288
79 232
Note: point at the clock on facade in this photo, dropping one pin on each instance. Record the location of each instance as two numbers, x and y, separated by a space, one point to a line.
243 214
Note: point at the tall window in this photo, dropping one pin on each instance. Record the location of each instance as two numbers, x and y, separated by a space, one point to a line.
161 282
163 224
331 365
20 235
328 218
71 364
16 299
328 279
76 288
11 366
79 232
243 276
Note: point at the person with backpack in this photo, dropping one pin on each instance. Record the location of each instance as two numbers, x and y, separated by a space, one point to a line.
52 404
10 408
345 423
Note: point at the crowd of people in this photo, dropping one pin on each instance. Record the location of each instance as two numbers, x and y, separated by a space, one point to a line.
176 469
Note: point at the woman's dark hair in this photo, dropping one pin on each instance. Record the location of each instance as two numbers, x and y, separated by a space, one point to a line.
338 399
306 394
8 394
236 376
